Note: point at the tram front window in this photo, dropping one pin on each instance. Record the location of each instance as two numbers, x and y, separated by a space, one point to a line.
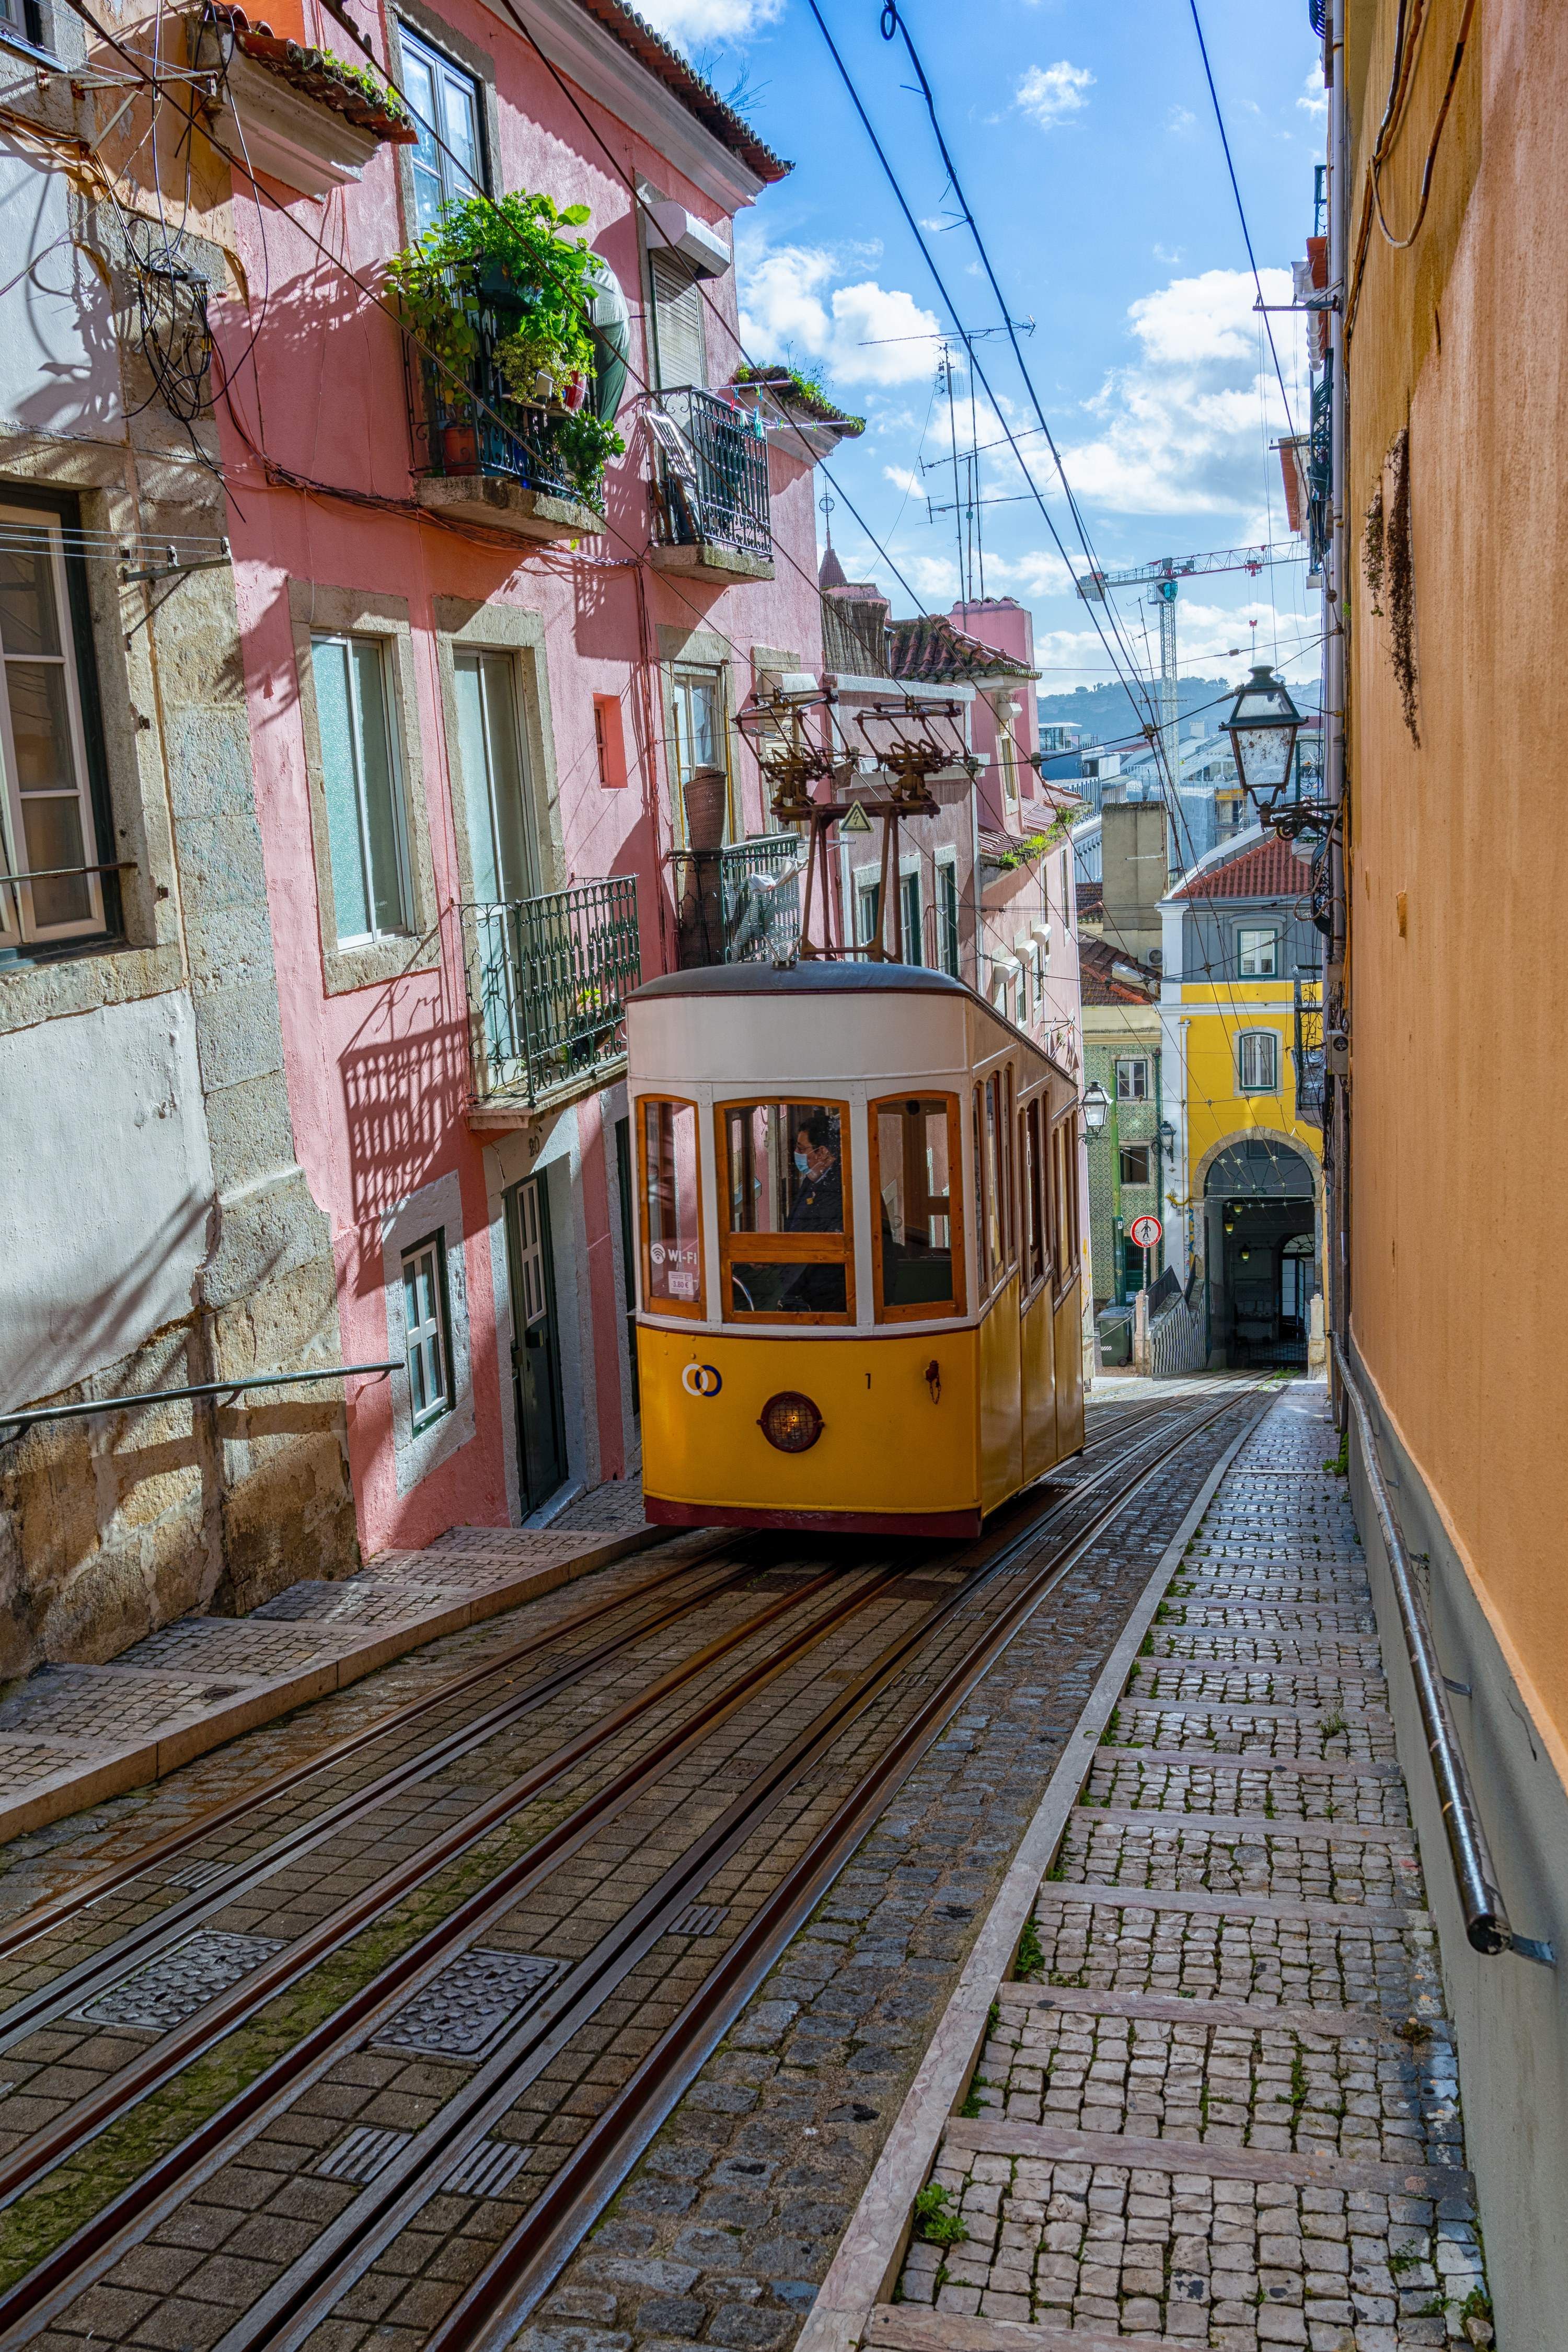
672 1263
916 1151
785 1177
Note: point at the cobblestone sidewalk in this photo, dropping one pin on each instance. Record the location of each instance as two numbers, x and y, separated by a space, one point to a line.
1220 2106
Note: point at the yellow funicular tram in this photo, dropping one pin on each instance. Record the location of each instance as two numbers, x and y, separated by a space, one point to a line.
859 1281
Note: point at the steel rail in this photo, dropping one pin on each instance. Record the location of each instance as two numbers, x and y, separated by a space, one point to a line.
24 2165
114 1960
51 2285
1488 1927
524 2266
56 1910
43 1917
301 2299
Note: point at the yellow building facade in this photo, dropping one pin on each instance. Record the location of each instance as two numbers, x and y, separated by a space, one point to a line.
1243 1180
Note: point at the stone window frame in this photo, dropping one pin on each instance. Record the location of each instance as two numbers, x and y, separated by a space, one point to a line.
361 612
435 30
698 649
437 1208
143 958
466 625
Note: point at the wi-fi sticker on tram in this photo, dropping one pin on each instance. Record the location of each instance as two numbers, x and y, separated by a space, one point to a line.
701 1379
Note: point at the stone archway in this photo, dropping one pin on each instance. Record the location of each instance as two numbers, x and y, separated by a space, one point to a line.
1262 1194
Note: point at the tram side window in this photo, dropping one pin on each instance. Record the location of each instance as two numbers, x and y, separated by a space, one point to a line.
1062 1185
672 1239
1011 1187
786 1179
994 1204
919 1243
1034 1205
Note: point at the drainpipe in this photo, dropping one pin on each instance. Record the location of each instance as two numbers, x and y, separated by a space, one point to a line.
1159 1155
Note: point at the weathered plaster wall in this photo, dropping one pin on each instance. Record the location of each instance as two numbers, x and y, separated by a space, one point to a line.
1458 1000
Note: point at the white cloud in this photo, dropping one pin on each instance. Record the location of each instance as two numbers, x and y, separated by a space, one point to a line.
1180 120
1180 430
903 478
865 333
1049 94
1314 98
711 20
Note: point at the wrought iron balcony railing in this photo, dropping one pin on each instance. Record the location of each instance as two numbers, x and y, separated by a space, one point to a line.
1320 468
711 474
762 883
477 427
548 980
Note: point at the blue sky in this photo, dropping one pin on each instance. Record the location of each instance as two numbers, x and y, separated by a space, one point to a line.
1087 142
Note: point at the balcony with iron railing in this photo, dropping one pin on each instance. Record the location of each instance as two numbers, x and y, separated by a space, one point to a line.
483 456
547 984
760 882
1308 1056
709 490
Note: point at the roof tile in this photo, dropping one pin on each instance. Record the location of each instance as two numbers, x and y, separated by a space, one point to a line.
1270 869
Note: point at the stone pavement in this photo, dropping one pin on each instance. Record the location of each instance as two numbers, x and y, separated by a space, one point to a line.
1218 2103
71 1736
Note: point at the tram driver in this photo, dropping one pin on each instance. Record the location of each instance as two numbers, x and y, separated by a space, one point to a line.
817 1208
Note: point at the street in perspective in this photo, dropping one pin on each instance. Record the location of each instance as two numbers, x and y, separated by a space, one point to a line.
781 1494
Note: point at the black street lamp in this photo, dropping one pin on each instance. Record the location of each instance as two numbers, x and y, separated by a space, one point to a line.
1096 1108
1262 727
1168 1140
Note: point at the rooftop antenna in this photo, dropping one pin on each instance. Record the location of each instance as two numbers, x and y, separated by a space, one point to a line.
828 505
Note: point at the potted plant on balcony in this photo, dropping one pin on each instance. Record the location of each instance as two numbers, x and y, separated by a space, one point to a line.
497 276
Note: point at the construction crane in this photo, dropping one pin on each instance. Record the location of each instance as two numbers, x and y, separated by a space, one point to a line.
1164 575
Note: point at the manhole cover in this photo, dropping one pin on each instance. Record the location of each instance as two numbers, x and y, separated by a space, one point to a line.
364 2154
162 1992
487 2170
699 1919
469 2004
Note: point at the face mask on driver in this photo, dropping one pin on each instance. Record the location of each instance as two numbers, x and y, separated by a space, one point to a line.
801 1162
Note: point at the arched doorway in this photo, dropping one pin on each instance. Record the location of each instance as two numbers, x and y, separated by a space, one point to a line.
1261 1259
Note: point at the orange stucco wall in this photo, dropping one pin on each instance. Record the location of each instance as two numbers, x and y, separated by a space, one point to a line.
1459 992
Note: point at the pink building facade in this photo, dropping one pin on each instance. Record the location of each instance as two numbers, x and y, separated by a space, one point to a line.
473 704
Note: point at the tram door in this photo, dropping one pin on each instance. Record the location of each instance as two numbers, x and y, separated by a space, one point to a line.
535 1345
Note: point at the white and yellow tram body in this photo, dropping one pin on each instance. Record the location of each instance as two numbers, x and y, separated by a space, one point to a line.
908 1371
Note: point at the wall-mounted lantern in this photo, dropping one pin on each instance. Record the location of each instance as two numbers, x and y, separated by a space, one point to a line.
1262 726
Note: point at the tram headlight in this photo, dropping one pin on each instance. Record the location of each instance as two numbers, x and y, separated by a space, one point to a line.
791 1421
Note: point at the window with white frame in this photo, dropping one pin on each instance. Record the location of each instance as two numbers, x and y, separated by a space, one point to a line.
449 160
947 916
55 888
697 698
1132 1078
426 1320
366 818
1006 753
1258 953
868 909
909 912
1257 1062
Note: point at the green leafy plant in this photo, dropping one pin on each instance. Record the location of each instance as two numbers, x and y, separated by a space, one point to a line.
1340 1464
971 2108
1333 1725
385 102
1031 1958
508 253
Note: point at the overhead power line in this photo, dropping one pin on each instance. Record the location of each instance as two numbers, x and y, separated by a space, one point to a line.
1241 209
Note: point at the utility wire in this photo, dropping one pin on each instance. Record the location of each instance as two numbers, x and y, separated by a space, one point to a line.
1241 209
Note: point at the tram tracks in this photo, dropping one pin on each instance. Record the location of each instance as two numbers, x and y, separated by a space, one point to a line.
375 2219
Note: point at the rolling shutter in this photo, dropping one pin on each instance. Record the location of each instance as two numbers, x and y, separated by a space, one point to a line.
678 322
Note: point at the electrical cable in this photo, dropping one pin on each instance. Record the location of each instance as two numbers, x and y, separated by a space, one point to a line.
1241 209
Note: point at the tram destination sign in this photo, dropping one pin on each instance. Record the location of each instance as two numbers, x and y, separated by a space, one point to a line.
1146 1232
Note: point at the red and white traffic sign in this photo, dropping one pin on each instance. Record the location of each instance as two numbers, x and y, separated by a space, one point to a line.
1146 1232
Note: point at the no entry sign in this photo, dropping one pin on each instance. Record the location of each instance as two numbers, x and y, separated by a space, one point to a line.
1146 1232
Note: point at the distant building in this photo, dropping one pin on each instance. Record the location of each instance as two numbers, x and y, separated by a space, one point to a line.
1122 1051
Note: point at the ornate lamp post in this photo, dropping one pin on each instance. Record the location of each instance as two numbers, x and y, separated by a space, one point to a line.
1262 726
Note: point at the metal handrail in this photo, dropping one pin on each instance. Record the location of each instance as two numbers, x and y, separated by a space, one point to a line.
1487 1923
13 1424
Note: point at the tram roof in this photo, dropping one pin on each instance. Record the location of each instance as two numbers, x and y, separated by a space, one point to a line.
817 976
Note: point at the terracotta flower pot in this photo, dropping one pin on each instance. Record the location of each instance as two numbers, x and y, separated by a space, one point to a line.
459 449
706 794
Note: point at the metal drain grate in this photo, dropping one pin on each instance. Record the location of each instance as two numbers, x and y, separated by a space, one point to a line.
197 1875
487 2170
163 1992
363 2155
469 2004
699 1919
